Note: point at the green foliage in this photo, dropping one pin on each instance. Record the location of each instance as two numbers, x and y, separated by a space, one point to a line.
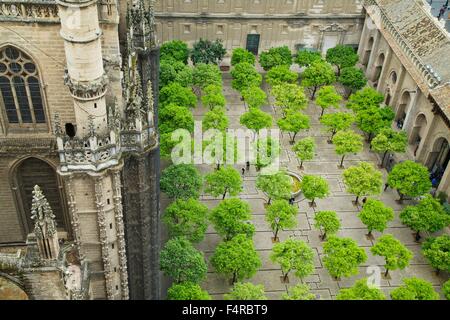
375 215
167 73
347 141
343 256
327 97
353 78
342 57
396 255
276 186
173 117
223 181
305 149
242 55
185 76
254 96
220 146
280 56
289 97
363 180
255 119
314 187
371 120
281 215
415 289
267 151
320 73
181 261
361 291
245 76
429 215
327 222
388 140
175 50
293 122
293 255
335 122
231 217
299 292
306 57
206 74
213 97
188 218
365 98
280 75
215 119
410 178
175 93
187 291
181 181
446 289
246 291
437 252
207 51
236 258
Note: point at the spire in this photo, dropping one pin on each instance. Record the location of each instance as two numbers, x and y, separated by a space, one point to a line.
44 225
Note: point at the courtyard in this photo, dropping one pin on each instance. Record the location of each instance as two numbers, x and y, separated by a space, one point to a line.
324 164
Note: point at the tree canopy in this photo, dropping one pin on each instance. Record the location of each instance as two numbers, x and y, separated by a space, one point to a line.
245 76
187 291
366 98
293 122
327 222
173 117
343 256
314 187
275 57
223 181
206 74
175 50
437 252
353 78
446 289
232 217
281 215
254 96
305 149
347 141
182 181
375 215
182 262
388 140
293 255
255 120
327 97
207 51
236 258
289 97
363 180
299 292
246 291
187 218
371 120
175 93
335 122
277 186
395 254
361 291
342 57
320 73
429 215
414 289
242 55
213 97
306 57
410 179
280 75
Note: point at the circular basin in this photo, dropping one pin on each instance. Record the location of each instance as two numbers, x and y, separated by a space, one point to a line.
296 182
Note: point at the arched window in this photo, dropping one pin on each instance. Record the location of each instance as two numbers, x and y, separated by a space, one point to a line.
20 90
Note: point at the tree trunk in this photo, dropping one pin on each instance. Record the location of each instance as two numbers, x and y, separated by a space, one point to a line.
285 276
234 277
270 201
301 164
401 197
357 198
314 93
323 111
218 166
293 138
324 236
386 273
370 139
418 236
342 161
313 202
386 186
370 233
225 193
384 158
276 232
349 94
339 71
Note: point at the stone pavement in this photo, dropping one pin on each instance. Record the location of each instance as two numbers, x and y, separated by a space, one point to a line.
325 164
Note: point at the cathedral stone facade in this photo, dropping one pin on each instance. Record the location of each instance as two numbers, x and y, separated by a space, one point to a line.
78 118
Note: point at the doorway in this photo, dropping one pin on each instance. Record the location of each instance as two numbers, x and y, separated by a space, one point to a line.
253 43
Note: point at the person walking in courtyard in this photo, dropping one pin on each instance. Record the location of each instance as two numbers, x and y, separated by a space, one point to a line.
243 171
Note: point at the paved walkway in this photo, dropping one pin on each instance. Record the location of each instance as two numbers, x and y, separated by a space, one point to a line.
325 164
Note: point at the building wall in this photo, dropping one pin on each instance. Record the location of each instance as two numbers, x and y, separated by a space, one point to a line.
293 23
